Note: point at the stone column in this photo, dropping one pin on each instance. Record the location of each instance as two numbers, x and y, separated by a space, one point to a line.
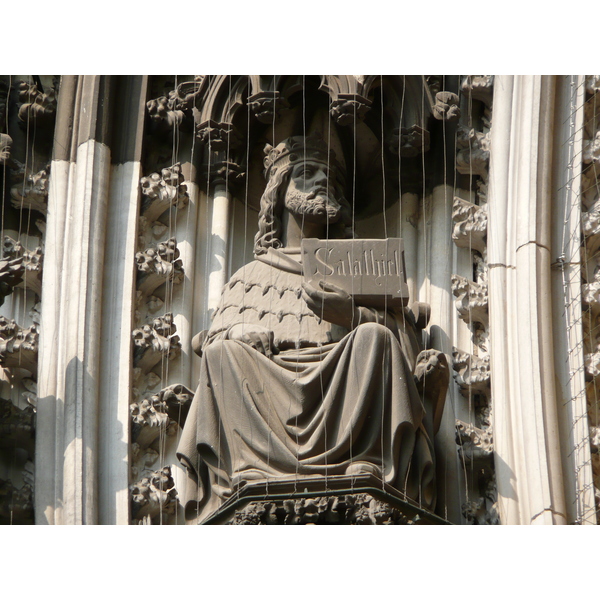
526 439
440 263
567 299
219 244
67 434
118 300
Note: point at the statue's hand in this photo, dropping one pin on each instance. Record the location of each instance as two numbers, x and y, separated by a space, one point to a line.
257 336
331 303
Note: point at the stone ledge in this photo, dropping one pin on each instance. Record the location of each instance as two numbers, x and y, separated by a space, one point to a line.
337 500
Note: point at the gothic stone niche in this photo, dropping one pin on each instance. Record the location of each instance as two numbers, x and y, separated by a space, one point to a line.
274 321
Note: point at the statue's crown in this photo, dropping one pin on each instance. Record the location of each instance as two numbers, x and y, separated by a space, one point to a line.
298 149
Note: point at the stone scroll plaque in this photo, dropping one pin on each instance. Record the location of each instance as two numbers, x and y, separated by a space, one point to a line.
372 271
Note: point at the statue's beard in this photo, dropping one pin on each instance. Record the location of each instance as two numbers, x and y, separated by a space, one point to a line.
315 206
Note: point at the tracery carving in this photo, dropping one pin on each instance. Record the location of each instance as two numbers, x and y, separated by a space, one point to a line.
470 225
159 264
351 509
16 426
473 155
162 191
18 346
155 341
154 496
31 190
35 104
472 299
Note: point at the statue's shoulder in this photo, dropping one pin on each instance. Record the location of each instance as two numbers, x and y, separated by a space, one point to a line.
250 271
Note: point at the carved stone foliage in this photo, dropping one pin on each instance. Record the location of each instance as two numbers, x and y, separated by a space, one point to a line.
475 437
31 189
266 105
11 275
473 154
36 105
16 504
154 497
155 341
444 105
472 372
16 426
218 136
5 147
590 225
349 96
484 510
472 300
475 444
162 191
592 84
159 264
351 509
24 264
18 346
479 87
470 225
176 108
163 412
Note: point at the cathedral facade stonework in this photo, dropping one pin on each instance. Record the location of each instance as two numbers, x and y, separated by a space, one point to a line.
299 299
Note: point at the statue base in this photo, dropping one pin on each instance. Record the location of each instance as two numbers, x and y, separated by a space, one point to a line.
338 500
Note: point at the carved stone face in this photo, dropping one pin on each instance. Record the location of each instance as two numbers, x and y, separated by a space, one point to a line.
309 196
5 144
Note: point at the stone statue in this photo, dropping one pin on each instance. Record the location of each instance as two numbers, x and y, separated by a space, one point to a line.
297 381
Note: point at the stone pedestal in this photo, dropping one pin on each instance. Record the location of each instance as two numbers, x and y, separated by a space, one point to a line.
338 500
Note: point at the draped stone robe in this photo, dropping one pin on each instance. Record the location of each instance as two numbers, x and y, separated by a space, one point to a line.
329 401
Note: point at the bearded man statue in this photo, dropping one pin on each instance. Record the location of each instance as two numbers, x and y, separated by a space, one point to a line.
299 382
